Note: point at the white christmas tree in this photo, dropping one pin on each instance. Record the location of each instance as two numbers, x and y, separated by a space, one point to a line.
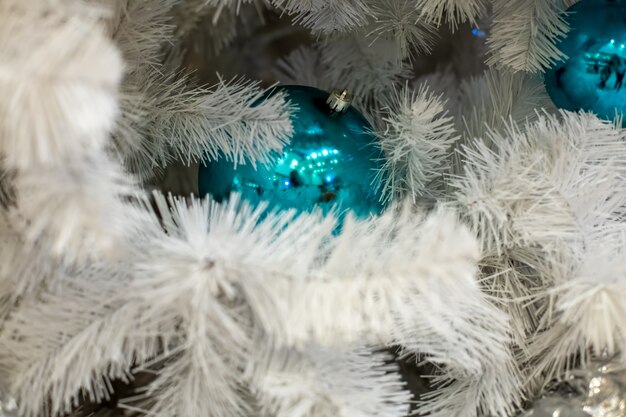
497 266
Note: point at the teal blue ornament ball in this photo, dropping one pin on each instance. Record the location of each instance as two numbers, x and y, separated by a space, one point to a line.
333 162
592 78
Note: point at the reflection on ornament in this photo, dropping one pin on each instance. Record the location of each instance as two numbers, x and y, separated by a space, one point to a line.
599 390
592 78
331 162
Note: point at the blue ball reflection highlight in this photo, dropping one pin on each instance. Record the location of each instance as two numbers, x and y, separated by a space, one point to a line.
332 163
592 78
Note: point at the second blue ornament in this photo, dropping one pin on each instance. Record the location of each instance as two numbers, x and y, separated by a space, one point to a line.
592 77
332 162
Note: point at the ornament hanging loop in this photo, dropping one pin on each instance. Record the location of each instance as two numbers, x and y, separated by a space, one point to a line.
339 101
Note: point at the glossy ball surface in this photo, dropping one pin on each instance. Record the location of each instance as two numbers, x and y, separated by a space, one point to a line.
592 78
331 163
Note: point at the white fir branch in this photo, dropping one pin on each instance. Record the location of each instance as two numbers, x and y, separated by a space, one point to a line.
232 119
140 29
78 206
544 196
524 34
368 67
496 392
227 253
453 12
469 341
25 267
596 307
175 122
444 83
417 141
326 16
204 375
490 101
201 268
511 286
141 154
70 62
311 269
546 185
54 352
319 382
584 312
400 21
303 66
378 274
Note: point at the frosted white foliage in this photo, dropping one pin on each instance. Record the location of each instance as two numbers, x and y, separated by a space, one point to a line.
189 125
209 27
320 382
584 312
566 173
445 83
515 272
373 275
524 33
199 269
79 205
594 296
452 11
545 197
229 119
164 118
326 16
191 278
303 66
52 350
70 62
24 265
140 28
417 140
497 97
400 21
365 258
366 67
497 391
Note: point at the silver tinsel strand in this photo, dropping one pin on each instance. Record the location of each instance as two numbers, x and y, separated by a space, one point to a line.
598 390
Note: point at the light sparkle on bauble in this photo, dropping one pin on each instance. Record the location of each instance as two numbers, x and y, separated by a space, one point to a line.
333 161
592 78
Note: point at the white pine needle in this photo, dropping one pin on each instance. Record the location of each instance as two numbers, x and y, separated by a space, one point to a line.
78 206
140 29
326 16
53 350
367 67
546 185
524 34
44 118
490 101
329 383
417 141
400 21
175 122
584 311
303 66
452 11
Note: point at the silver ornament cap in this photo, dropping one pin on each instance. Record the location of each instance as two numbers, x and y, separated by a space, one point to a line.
339 101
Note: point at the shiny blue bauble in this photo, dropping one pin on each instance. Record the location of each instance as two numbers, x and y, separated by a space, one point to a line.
593 76
332 163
